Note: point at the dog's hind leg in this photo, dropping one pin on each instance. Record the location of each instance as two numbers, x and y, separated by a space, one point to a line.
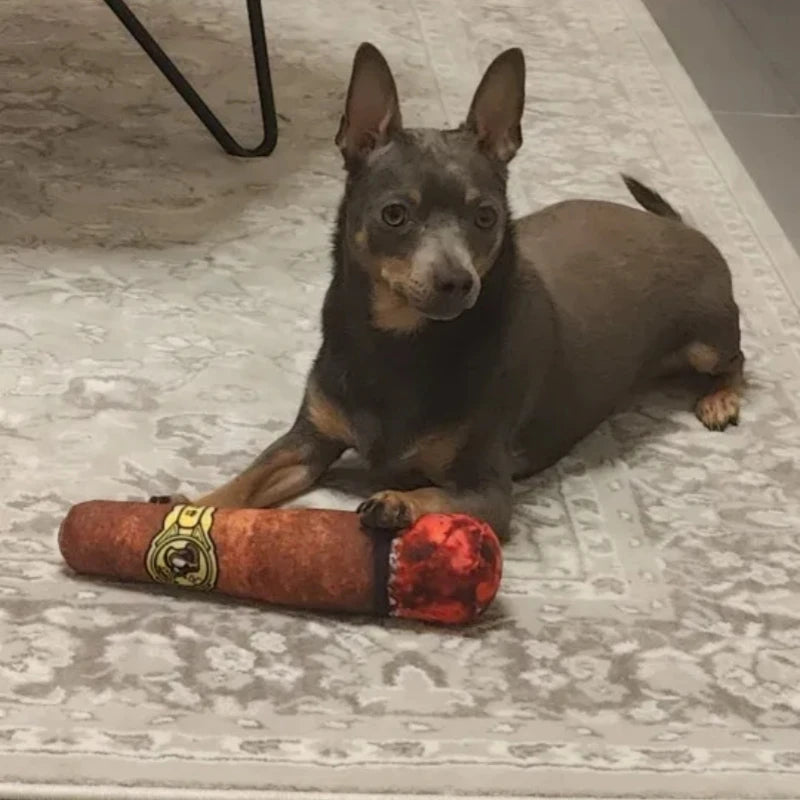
719 407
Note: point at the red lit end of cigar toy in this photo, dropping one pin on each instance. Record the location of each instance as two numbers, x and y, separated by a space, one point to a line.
445 569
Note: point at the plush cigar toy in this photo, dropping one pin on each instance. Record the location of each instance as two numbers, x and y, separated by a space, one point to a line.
444 569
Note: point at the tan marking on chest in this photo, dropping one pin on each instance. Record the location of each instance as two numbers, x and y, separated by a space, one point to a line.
434 453
327 417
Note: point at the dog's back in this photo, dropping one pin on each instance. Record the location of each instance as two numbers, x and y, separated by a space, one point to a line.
637 279
629 288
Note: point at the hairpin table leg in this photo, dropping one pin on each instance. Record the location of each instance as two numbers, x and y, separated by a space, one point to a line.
193 99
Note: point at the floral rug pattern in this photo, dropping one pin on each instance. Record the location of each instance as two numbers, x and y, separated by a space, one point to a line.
158 310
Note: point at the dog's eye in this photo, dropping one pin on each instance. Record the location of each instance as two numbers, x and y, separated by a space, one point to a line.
485 217
394 214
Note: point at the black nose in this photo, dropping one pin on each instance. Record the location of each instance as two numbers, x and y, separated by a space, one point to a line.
454 284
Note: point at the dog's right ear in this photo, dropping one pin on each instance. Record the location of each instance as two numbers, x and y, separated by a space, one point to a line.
372 112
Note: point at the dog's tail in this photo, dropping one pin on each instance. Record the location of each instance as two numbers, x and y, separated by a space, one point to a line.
650 200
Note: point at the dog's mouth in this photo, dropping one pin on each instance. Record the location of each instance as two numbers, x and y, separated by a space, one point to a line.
442 312
435 306
443 308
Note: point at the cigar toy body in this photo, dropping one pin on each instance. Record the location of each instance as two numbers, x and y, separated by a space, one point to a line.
446 568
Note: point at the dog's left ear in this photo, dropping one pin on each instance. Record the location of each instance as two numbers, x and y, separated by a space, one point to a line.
372 110
496 110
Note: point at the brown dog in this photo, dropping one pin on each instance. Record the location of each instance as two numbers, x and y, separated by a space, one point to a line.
460 349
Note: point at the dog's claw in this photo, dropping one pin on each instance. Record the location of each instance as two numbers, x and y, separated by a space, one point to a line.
386 511
168 499
719 410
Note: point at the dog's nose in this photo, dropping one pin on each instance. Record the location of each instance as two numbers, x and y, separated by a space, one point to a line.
454 285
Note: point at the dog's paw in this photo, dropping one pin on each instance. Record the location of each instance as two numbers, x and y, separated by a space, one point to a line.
387 511
718 410
170 499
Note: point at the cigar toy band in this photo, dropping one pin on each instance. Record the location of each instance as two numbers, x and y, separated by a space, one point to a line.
183 553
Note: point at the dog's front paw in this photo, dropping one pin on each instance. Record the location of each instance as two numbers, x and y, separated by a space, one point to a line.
387 511
170 499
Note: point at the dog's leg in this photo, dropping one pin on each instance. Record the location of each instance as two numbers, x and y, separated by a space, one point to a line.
720 406
393 510
289 465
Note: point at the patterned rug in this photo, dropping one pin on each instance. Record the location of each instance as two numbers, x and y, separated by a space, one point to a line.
158 311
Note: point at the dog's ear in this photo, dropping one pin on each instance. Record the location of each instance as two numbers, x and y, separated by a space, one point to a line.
496 110
372 111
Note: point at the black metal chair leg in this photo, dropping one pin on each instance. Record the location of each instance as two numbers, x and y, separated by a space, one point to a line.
193 99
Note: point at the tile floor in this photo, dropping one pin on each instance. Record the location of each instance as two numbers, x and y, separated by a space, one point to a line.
744 58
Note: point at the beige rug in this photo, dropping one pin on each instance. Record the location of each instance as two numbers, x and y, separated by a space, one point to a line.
158 310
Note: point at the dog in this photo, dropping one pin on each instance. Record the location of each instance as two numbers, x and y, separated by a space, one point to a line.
462 350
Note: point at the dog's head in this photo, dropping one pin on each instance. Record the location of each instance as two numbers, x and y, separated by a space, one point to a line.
425 211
